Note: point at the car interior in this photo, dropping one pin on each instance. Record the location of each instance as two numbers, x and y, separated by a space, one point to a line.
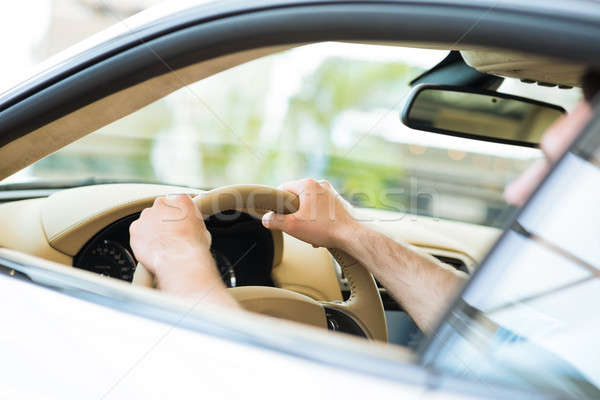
83 231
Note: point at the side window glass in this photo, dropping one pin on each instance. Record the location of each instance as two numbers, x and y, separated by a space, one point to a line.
529 317
326 110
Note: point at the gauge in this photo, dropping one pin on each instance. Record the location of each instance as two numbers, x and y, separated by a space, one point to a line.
109 258
226 268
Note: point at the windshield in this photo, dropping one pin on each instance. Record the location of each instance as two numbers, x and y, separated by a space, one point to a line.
329 111
534 301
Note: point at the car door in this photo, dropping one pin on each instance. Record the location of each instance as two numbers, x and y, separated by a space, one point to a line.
72 338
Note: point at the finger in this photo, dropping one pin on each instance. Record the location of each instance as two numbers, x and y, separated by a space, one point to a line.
145 213
292 186
208 237
277 221
328 187
325 183
174 207
179 199
301 186
172 199
266 219
133 228
179 202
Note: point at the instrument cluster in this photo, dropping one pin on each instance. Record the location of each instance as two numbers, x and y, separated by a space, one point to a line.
242 248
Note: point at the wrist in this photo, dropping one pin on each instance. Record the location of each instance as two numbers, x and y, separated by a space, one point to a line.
198 281
343 236
196 265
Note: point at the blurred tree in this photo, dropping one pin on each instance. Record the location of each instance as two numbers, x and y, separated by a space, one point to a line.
370 165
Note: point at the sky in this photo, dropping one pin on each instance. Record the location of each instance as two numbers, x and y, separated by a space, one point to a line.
22 26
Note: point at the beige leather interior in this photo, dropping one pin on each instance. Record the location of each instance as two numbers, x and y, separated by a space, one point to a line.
22 230
523 66
27 226
22 222
367 310
91 208
307 270
364 304
461 240
280 303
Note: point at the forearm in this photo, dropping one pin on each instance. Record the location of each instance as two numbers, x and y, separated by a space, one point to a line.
420 283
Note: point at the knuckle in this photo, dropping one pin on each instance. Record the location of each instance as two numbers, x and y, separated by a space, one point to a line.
181 199
309 184
183 203
289 223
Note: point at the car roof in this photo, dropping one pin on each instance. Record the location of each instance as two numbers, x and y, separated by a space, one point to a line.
172 15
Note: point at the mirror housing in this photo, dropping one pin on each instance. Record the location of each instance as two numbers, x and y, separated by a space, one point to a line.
479 114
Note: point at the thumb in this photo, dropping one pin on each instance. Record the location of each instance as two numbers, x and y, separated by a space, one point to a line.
276 221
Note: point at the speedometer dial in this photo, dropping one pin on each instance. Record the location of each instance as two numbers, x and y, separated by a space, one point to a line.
226 268
109 258
242 248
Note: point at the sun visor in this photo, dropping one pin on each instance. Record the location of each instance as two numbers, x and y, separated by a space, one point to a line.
544 71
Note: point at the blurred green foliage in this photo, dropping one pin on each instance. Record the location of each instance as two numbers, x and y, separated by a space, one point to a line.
250 125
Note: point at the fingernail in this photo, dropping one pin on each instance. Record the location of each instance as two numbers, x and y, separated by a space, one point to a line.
266 219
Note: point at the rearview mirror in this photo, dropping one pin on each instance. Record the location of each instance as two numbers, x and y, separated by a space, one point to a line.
479 114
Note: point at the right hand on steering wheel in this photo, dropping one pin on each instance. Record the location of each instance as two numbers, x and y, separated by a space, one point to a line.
323 218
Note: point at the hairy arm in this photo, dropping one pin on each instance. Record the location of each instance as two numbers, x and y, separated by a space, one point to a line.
421 284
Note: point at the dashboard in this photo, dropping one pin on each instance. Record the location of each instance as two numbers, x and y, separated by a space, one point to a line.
88 228
242 248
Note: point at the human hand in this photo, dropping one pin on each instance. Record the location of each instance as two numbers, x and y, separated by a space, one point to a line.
323 218
171 241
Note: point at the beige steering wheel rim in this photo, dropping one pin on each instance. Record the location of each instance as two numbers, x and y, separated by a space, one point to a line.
364 304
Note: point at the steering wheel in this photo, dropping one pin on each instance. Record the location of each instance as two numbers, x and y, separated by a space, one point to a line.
364 305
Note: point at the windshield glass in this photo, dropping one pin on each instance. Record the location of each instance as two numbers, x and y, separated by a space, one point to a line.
329 111
529 317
